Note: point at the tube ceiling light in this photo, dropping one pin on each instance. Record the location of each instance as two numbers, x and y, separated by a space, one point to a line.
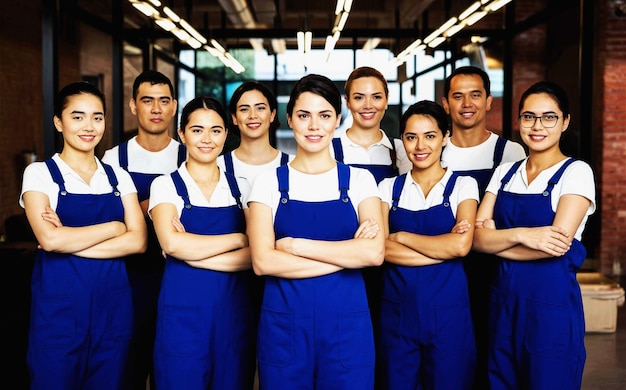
468 17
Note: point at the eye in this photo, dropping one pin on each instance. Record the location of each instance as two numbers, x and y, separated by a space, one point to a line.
430 136
165 101
303 116
550 117
146 101
243 109
409 137
325 116
528 117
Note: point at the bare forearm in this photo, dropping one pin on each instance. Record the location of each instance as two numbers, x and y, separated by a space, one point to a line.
233 261
399 254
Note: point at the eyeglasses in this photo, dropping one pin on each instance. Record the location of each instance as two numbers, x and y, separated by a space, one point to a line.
548 121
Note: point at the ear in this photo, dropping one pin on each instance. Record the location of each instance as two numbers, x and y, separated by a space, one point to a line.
338 121
273 115
565 123
444 103
234 119
133 106
58 124
181 136
174 111
489 101
289 121
446 136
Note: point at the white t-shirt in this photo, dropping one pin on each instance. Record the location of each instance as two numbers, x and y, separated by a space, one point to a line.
37 177
248 171
313 188
163 190
577 179
376 154
412 197
144 161
479 156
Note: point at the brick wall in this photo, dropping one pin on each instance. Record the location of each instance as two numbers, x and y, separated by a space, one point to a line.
20 99
610 139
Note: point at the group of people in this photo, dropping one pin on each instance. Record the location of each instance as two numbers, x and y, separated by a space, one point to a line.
445 259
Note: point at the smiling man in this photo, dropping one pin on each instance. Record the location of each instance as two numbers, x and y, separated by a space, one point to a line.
475 151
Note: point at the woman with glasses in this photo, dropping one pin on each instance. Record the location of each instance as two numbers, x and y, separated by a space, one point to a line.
532 217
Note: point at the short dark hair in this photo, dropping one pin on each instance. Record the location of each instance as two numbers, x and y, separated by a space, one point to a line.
467 70
73 89
153 77
319 85
430 108
202 103
556 91
255 86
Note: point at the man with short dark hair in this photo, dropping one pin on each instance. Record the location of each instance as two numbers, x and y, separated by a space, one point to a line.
151 153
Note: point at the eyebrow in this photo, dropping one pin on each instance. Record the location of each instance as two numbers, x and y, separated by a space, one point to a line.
532 112
152 97
255 104
84 113
373 93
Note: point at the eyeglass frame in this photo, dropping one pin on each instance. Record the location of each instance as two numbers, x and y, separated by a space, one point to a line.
540 117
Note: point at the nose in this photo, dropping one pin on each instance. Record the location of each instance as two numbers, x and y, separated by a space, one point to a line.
420 143
156 107
313 123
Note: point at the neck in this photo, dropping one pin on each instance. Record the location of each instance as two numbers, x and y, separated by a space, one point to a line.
256 152
464 138
153 142
364 137
313 163
427 178
202 172
538 161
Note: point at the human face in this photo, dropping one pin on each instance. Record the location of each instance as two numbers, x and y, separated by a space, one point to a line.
423 141
467 102
253 115
154 107
539 138
204 135
367 102
82 122
313 121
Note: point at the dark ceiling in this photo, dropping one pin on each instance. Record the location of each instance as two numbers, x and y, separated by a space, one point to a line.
397 23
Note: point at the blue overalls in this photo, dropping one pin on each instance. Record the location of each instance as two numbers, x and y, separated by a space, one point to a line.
81 308
479 268
379 171
145 271
536 315
316 333
257 281
143 180
205 330
372 275
426 339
